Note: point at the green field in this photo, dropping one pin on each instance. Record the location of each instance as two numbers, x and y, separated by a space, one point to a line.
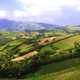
62 67
65 70
67 43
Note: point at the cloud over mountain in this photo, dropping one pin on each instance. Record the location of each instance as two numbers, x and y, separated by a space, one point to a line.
38 10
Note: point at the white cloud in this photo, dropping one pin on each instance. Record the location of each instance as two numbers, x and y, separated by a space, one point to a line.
37 7
2 14
18 13
13 15
78 8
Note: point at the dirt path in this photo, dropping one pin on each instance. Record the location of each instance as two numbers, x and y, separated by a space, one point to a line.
44 41
27 55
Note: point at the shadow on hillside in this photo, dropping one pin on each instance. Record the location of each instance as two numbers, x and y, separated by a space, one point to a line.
64 66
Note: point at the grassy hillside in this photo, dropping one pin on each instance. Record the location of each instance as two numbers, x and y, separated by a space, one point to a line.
65 70
67 43
22 46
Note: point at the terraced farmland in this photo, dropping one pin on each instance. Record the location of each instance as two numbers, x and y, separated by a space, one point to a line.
65 70
22 56
67 43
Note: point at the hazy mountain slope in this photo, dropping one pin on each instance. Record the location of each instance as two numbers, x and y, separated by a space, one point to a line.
9 25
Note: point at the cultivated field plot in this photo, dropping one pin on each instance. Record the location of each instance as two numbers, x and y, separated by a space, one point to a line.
52 57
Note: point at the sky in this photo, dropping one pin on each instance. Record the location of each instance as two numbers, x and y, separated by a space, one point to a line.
62 12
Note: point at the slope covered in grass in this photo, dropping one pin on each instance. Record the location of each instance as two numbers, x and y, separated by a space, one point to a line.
55 71
64 70
67 43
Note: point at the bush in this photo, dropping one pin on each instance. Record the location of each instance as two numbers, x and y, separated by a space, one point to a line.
45 54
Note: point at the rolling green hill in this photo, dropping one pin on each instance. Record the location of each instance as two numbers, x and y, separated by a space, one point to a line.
65 70
67 43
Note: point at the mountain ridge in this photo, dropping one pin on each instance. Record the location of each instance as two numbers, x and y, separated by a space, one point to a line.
10 25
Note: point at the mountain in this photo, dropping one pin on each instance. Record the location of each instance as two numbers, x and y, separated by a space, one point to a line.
10 25
50 26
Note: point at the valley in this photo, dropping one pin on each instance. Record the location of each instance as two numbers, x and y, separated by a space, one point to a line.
53 54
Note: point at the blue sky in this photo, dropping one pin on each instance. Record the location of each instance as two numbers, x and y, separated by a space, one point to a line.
10 5
61 12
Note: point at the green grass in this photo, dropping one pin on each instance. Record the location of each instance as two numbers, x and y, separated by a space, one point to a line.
11 43
16 42
64 70
67 43
26 48
72 28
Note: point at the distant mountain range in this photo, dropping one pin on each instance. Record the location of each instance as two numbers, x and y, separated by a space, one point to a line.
10 25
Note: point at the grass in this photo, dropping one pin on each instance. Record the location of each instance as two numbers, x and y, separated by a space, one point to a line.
64 70
26 48
67 43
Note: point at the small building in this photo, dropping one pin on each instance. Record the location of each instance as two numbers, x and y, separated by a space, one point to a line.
47 40
35 33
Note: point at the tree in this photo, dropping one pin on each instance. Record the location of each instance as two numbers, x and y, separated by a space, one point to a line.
77 49
46 53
